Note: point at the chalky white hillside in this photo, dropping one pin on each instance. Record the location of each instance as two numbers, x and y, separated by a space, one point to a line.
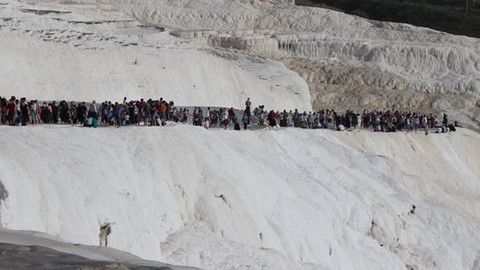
222 199
283 199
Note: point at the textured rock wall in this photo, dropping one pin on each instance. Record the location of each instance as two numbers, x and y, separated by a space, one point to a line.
346 53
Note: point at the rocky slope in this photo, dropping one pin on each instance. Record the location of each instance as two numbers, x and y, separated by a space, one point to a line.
279 199
336 54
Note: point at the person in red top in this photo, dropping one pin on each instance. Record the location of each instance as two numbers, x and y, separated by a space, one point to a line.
231 114
11 112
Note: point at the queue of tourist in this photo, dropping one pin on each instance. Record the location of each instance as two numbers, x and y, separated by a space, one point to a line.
20 112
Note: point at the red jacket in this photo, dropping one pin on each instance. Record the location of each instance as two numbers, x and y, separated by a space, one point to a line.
11 109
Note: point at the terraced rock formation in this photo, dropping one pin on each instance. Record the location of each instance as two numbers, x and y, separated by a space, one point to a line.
416 68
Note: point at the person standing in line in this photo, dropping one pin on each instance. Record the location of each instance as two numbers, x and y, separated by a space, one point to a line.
310 120
93 110
245 119
34 112
425 124
225 119
206 122
72 112
17 120
24 111
81 112
248 104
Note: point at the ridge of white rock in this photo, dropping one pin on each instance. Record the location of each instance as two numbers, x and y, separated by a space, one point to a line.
280 199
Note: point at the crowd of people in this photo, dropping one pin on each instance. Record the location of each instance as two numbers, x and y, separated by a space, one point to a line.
378 120
21 112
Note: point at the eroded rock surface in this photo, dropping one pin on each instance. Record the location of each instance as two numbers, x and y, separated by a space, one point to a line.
429 70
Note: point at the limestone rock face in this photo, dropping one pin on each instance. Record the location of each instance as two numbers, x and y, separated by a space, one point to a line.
273 199
386 56
347 61
86 50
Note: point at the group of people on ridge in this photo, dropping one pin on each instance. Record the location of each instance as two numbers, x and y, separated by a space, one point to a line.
151 112
21 112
